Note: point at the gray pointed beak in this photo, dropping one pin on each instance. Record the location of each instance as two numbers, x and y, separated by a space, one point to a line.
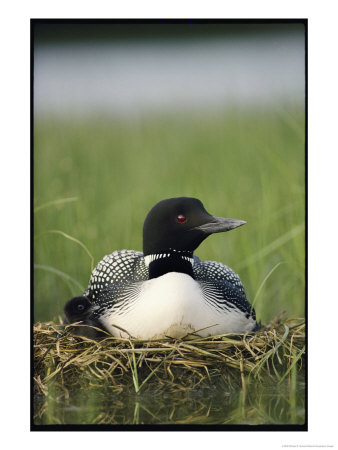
219 224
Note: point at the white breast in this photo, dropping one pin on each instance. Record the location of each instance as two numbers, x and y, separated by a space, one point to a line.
173 305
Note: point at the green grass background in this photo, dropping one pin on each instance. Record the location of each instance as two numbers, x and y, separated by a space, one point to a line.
244 165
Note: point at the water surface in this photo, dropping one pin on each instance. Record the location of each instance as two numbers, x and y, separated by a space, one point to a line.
135 77
261 403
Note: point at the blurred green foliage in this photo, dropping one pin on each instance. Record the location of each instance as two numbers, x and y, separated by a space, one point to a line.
248 166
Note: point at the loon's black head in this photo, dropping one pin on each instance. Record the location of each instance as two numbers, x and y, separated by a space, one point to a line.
181 224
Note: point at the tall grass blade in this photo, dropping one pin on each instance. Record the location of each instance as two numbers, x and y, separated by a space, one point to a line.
62 275
71 238
263 282
294 362
272 246
137 413
156 368
60 201
272 352
133 368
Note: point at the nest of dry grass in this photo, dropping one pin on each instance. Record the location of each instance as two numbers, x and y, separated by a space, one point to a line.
65 359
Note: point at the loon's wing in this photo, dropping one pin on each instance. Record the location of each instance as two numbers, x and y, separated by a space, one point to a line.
222 287
120 267
212 270
117 298
225 296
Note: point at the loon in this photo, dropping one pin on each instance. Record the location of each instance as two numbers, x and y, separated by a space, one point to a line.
79 309
167 291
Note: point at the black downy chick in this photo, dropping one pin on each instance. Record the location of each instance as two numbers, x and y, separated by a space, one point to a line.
79 309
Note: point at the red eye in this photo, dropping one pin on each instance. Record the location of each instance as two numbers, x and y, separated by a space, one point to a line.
181 218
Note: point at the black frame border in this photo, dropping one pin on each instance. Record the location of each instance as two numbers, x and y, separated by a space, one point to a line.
162 427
